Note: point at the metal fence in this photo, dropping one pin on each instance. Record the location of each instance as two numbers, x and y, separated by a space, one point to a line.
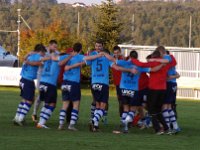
188 66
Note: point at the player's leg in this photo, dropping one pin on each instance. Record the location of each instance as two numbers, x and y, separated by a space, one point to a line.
130 116
66 88
28 94
45 114
98 114
19 108
24 111
119 98
63 114
125 112
172 113
145 119
50 101
36 106
124 115
174 122
165 113
74 115
101 94
166 103
159 104
37 101
134 102
105 115
93 105
69 110
151 105
20 105
74 96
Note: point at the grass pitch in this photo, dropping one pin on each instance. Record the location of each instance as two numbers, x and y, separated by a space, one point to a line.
30 138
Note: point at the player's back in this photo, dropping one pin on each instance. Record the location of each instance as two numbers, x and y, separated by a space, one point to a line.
158 79
143 81
30 72
129 80
50 72
74 73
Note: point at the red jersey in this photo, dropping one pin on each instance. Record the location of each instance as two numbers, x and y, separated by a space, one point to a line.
116 75
157 80
143 81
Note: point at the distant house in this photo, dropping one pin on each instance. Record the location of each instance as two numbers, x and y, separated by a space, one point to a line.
78 4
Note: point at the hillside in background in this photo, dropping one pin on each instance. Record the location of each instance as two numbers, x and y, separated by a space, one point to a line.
144 23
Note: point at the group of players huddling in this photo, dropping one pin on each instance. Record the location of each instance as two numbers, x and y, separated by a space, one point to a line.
140 86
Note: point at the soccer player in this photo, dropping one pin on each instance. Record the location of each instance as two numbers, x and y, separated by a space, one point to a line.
170 99
48 90
157 90
71 89
48 87
51 50
98 48
27 85
100 84
117 77
69 51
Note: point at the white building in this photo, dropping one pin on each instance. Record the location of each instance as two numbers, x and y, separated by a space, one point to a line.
78 4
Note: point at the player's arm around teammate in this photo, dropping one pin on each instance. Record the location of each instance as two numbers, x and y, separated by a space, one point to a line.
71 89
27 86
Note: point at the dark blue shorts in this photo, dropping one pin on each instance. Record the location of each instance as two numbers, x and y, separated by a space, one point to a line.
71 91
143 96
130 97
27 88
100 92
48 92
170 96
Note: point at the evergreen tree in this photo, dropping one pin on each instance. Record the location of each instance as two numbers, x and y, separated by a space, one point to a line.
107 25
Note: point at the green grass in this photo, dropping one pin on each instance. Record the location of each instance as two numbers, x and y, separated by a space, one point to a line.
29 138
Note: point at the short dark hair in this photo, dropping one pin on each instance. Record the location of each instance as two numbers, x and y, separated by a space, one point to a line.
115 48
106 51
53 42
156 54
149 56
134 54
40 48
161 49
99 41
77 47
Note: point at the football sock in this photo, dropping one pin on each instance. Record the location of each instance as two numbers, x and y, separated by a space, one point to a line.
173 119
62 117
46 114
99 113
74 116
92 109
24 110
124 114
166 116
19 108
130 116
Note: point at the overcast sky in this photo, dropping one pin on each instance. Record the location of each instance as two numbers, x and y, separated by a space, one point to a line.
87 2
